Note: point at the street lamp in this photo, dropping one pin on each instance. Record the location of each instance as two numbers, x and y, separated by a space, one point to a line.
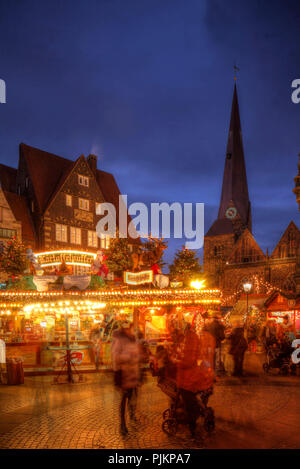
247 288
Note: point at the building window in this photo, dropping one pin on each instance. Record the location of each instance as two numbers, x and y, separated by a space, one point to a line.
61 233
75 235
5 233
27 182
92 239
98 204
83 180
68 200
104 241
84 204
32 206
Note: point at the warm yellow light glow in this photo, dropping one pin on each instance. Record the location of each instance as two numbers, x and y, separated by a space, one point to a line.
138 278
198 284
65 251
140 292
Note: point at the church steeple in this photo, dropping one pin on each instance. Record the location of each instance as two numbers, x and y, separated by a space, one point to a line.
235 201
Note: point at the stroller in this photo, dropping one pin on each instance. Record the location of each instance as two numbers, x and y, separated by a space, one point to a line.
176 414
279 358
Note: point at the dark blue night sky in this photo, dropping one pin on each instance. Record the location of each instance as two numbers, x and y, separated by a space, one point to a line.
147 85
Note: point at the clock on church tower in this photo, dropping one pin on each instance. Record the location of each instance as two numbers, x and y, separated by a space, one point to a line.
231 213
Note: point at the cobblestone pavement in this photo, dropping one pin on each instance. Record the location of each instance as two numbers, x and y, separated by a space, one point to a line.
250 413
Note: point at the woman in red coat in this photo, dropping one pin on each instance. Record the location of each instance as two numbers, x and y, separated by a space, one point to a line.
194 372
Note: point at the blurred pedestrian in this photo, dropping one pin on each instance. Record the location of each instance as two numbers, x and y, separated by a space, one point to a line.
285 329
194 372
268 334
217 329
125 361
252 332
238 347
96 339
144 354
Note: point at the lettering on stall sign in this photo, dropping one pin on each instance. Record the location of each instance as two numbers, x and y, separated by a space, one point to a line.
138 278
296 353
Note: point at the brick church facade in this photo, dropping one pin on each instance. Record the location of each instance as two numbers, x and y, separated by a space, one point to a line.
232 256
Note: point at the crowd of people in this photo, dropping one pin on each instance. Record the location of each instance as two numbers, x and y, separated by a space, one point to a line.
191 359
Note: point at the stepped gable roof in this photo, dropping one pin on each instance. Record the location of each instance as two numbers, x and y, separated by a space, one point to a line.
292 227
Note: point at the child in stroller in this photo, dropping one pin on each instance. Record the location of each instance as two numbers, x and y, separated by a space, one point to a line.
279 357
189 385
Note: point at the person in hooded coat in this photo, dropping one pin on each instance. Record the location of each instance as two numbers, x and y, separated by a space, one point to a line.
125 361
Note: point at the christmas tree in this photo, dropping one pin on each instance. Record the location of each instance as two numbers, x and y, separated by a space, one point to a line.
186 265
13 258
119 255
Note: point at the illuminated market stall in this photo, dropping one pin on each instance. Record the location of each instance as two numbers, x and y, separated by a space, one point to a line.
32 322
280 304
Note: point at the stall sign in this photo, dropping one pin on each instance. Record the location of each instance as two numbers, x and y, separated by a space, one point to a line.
76 358
47 259
138 278
280 314
176 284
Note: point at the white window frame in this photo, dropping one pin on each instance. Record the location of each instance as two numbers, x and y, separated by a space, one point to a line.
68 200
61 232
84 204
83 180
92 239
75 235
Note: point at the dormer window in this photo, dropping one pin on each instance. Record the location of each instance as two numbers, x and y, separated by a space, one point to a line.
83 180
27 182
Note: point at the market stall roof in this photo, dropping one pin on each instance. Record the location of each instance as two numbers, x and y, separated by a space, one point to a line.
279 300
138 297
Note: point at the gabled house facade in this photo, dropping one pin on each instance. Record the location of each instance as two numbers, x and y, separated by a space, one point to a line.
59 199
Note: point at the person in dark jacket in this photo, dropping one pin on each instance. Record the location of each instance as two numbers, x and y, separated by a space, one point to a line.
238 347
217 330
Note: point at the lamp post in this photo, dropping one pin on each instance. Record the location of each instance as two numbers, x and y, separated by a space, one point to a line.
247 288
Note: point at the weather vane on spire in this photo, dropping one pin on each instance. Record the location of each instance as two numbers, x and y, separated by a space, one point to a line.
236 69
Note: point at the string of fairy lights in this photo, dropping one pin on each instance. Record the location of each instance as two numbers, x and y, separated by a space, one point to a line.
259 285
91 302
